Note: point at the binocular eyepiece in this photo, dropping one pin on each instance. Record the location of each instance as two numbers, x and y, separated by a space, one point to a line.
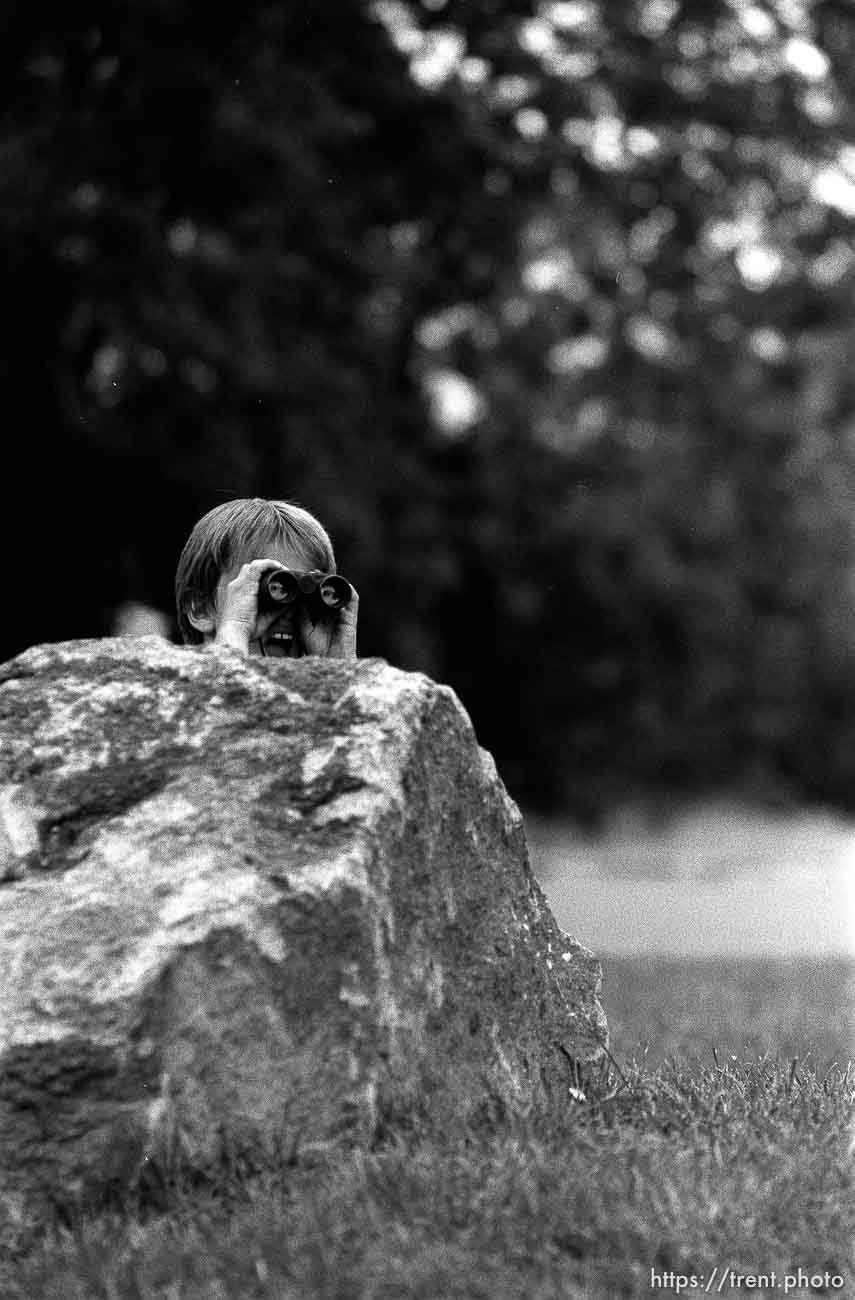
282 587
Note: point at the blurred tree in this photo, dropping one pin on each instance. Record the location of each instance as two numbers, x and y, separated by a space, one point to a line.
224 230
665 356
545 308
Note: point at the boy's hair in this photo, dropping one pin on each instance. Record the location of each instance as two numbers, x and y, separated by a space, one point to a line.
233 530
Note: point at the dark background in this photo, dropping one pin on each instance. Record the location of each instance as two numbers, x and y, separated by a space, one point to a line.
547 312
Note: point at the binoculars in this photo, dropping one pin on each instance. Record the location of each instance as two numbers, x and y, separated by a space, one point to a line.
282 587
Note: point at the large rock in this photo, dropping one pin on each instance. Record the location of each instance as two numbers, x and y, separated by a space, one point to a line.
246 901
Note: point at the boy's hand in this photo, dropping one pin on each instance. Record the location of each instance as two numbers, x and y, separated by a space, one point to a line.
236 624
334 635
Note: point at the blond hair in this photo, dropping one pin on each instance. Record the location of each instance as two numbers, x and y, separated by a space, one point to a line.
232 531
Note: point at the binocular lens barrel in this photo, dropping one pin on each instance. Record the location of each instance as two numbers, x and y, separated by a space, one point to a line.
282 587
335 591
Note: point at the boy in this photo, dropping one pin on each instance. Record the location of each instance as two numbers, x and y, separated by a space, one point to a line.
218 576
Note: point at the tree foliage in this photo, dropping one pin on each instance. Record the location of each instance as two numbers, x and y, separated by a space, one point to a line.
544 309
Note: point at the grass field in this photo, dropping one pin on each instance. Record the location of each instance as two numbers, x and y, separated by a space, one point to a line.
659 1007
696 1152
707 878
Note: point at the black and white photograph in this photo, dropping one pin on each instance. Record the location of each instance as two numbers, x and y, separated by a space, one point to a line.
486 368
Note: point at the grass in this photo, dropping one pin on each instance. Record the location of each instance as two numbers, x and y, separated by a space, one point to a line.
802 1007
693 1152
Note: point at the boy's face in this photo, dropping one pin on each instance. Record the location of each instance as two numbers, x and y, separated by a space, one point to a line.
275 634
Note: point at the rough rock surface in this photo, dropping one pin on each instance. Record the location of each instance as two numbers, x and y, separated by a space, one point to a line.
248 901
